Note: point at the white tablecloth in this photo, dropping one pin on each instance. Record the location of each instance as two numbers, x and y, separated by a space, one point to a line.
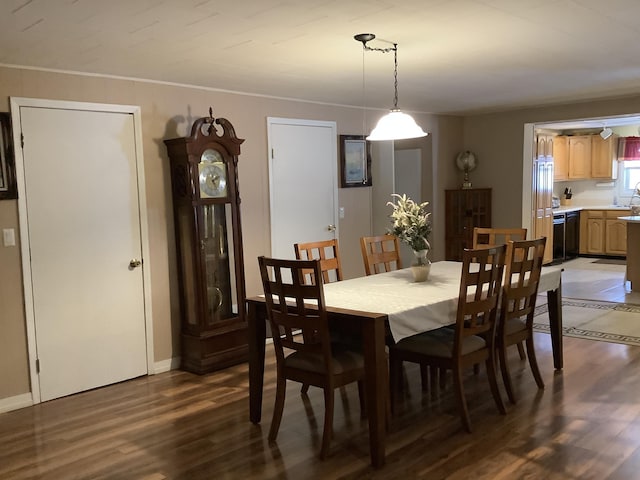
412 307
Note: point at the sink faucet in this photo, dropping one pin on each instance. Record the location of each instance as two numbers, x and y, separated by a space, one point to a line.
636 193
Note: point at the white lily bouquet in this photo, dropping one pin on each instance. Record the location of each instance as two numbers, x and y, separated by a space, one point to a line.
411 222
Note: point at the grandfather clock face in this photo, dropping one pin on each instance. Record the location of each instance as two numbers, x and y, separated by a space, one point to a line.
212 174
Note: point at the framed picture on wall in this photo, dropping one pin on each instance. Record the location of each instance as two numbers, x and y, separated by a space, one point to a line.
7 161
355 161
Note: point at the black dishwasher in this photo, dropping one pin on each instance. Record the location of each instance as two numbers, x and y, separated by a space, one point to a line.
559 223
571 235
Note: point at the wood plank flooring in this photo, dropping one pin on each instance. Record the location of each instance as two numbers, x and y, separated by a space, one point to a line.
177 425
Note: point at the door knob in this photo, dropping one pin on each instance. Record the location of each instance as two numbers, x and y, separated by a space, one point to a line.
331 228
133 263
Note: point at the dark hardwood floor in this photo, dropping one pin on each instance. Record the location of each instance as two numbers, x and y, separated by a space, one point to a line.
177 425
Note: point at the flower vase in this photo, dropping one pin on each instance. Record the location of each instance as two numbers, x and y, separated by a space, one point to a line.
422 266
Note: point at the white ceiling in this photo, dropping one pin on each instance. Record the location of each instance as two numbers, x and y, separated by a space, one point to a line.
454 56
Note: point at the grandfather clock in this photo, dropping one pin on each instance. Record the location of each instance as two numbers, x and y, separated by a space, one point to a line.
206 205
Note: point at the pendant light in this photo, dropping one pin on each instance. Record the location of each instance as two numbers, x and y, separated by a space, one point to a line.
395 125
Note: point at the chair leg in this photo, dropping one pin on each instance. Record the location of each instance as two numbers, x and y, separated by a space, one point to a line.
506 374
443 377
433 379
327 433
424 377
281 390
462 403
395 380
533 362
361 398
493 383
521 351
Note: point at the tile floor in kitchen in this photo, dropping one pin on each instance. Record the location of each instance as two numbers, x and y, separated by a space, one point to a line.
584 279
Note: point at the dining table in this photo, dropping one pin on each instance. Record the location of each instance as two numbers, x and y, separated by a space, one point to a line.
383 308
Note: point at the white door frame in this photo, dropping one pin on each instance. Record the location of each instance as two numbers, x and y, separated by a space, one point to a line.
16 104
334 163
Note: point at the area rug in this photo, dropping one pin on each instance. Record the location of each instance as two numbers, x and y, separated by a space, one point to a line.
603 321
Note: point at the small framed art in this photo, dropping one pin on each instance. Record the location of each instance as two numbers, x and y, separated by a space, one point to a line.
355 161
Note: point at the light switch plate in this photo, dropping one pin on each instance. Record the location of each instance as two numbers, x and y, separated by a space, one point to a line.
9 237
341 212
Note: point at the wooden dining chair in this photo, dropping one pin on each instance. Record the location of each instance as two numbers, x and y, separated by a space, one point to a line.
515 325
310 357
471 340
490 237
380 254
328 252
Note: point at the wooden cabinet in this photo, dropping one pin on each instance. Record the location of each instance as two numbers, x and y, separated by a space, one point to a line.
594 236
542 211
601 233
560 149
584 156
615 236
604 154
464 210
580 156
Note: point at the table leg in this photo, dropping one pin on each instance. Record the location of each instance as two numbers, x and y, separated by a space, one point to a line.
256 324
554 302
377 387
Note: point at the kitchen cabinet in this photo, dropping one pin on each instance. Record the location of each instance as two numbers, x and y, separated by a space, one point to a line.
560 149
542 211
615 236
464 210
604 154
601 233
579 156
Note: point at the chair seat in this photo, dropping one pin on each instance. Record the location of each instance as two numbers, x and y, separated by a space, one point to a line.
515 325
439 343
342 361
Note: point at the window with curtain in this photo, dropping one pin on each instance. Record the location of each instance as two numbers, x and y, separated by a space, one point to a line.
629 158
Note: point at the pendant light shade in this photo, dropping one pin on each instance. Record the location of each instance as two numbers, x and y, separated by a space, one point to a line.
395 125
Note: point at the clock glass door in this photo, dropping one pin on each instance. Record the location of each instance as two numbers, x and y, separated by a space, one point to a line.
220 295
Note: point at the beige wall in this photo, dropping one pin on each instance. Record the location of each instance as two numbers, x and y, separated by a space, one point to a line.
168 112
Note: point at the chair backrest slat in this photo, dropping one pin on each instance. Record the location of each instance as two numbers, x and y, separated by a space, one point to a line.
480 288
296 311
522 278
328 252
380 254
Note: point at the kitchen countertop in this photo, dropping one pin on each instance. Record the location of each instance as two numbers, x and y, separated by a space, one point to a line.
566 208
631 219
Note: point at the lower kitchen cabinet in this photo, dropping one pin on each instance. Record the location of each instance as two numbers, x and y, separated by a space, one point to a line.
616 237
601 233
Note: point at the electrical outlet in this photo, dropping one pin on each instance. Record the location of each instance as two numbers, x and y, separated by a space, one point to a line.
9 237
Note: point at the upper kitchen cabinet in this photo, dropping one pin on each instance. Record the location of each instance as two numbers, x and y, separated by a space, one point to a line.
604 154
580 156
560 158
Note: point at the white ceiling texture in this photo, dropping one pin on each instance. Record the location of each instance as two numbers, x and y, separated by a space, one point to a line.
454 56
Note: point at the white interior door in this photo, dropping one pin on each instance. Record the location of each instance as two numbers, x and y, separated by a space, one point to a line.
303 183
80 182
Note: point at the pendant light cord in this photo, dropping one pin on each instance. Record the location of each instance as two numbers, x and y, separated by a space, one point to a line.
395 76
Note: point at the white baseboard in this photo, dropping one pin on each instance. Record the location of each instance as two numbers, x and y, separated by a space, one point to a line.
166 365
14 403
